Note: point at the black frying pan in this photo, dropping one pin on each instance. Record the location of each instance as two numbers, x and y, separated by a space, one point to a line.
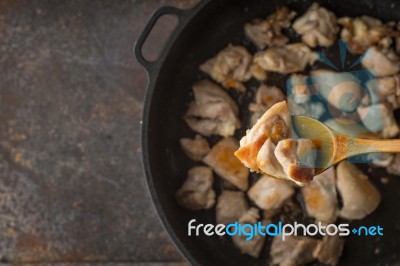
200 34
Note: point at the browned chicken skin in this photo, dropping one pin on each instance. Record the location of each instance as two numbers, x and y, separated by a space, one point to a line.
274 124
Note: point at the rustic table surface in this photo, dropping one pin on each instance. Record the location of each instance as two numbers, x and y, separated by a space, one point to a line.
71 183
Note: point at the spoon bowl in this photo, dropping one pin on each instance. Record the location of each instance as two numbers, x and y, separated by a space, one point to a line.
333 147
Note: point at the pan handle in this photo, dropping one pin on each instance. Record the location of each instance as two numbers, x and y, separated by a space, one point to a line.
166 10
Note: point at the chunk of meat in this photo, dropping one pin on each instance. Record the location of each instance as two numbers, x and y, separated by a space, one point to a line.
274 124
299 88
381 62
363 32
230 67
293 251
394 167
359 195
222 159
317 26
196 192
267 162
270 193
387 91
254 245
213 112
379 117
320 198
268 32
297 158
212 119
231 206
195 148
286 59
266 97
329 250
206 91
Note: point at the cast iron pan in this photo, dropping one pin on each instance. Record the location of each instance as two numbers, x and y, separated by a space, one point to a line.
202 32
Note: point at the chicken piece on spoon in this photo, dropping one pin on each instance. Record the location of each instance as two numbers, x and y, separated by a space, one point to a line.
297 158
274 124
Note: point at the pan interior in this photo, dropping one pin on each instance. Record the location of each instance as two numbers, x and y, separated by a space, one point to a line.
216 25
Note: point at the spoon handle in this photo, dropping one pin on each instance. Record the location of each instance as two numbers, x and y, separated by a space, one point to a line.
363 146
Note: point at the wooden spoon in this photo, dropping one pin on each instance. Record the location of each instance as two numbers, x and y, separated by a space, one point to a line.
333 147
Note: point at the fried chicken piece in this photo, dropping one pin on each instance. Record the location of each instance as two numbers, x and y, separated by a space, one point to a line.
268 32
274 124
196 193
297 158
231 205
379 117
381 62
317 26
206 91
364 32
329 250
266 97
223 161
394 167
359 195
195 148
254 245
267 161
320 197
213 112
383 90
293 251
230 67
270 193
286 59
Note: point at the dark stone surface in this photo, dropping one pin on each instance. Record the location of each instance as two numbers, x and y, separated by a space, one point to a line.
71 94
